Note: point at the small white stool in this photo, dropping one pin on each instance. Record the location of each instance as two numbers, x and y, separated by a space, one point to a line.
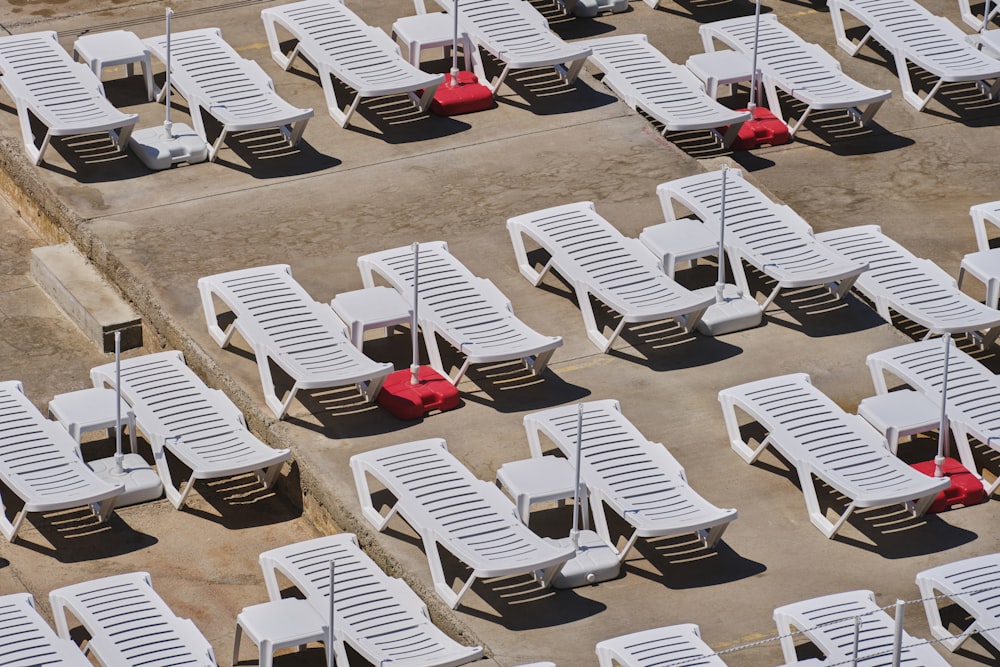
899 414
279 624
117 47
985 266
91 410
429 31
371 308
981 214
721 68
684 240
538 480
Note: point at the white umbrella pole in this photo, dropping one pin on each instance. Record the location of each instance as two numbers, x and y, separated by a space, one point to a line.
329 630
454 46
119 456
943 428
720 284
574 534
753 71
168 127
415 365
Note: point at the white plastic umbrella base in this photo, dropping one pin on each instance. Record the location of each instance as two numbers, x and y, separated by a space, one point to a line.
595 561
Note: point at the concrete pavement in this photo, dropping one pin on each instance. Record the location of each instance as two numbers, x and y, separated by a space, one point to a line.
399 177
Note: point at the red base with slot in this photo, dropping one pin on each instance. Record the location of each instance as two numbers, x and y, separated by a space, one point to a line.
467 97
412 401
966 489
763 128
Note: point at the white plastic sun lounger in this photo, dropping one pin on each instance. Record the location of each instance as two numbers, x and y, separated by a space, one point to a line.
200 426
339 44
65 96
973 391
40 463
130 624
974 585
215 79
913 287
26 640
646 80
820 440
828 622
670 645
600 262
469 312
771 238
451 509
378 616
283 324
802 70
638 479
517 34
913 35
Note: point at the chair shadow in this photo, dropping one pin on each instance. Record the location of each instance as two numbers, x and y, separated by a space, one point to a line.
839 132
241 501
707 11
815 312
542 92
684 563
76 536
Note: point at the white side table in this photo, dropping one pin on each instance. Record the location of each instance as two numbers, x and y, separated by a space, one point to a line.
900 413
117 47
429 31
684 240
91 410
984 265
279 624
538 480
371 308
721 68
981 214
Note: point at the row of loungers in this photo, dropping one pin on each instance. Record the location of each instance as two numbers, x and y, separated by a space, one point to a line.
285 327
40 76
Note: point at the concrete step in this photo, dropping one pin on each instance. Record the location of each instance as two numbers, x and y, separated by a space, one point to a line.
97 308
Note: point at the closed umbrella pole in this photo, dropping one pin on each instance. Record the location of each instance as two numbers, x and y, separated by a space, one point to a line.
119 455
454 47
720 283
574 534
753 66
943 428
415 365
168 127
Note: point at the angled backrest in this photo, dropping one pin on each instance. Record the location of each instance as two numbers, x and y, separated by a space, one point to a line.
670 645
339 44
40 464
973 391
451 508
648 81
912 34
217 80
828 622
467 311
130 624
517 34
199 425
285 325
819 439
65 96
377 615
914 287
638 479
974 585
788 63
26 640
769 236
599 261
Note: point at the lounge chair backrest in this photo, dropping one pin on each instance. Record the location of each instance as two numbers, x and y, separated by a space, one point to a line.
285 325
640 480
972 584
790 64
448 506
339 44
816 436
178 412
377 615
215 79
912 34
467 311
130 624
915 287
648 81
40 463
591 254
674 644
26 640
67 97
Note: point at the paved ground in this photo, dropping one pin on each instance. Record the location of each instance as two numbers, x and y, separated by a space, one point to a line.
398 177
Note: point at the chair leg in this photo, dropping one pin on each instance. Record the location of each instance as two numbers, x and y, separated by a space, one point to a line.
236 643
